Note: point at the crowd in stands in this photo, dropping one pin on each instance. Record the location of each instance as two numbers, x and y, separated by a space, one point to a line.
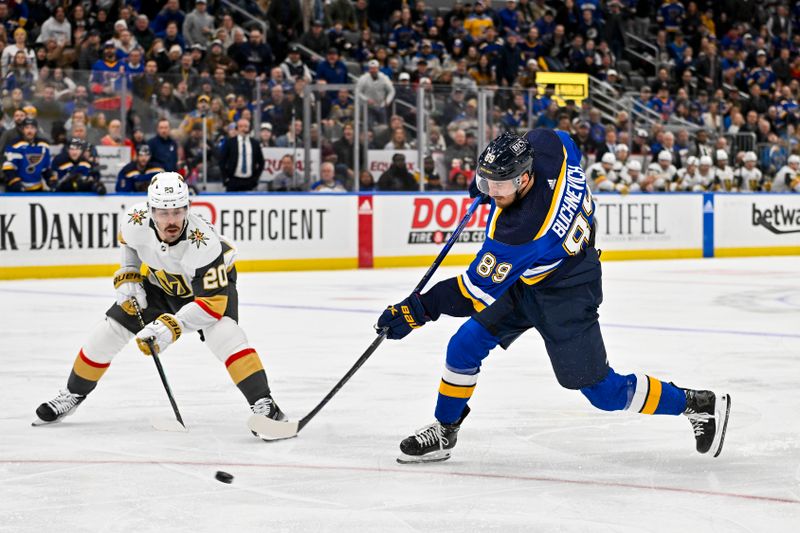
187 83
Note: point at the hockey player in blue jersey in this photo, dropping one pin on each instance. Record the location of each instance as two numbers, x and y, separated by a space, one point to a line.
136 175
27 161
73 171
538 268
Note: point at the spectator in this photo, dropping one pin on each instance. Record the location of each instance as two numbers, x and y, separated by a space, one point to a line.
163 147
366 182
255 52
170 13
142 33
20 75
7 58
332 70
56 27
293 66
107 72
14 133
265 138
199 115
114 136
315 39
288 178
377 90
327 181
241 160
198 25
397 177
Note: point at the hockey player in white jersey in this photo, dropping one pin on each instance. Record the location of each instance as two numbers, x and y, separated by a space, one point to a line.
665 181
631 175
189 285
704 175
788 177
686 174
748 177
602 176
723 173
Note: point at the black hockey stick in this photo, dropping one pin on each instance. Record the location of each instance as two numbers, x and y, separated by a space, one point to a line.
161 374
269 429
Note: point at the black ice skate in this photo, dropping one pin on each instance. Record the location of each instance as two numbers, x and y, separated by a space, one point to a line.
267 407
432 443
709 418
58 408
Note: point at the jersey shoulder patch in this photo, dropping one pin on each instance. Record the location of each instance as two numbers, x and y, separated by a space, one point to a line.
204 245
134 224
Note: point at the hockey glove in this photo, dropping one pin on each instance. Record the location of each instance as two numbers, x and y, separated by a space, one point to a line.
400 319
128 283
163 331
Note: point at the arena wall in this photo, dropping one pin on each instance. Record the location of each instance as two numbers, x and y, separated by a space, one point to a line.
75 235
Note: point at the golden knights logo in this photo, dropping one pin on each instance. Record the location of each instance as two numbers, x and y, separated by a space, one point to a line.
173 284
197 237
137 216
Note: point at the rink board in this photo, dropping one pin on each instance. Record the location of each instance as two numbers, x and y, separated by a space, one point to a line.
75 235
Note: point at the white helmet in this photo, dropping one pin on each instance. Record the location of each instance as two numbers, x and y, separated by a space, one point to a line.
794 159
608 158
750 156
722 155
635 165
691 161
617 166
706 160
167 190
664 155
621 148
654 168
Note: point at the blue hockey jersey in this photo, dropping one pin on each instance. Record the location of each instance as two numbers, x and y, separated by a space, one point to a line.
533 237
27 165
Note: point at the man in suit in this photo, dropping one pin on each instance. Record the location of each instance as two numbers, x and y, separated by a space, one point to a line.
242 161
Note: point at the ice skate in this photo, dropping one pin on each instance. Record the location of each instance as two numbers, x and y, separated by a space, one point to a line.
709 418
267 408
58 408
432 443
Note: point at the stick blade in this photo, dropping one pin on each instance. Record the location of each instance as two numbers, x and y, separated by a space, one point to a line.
269 429
168 424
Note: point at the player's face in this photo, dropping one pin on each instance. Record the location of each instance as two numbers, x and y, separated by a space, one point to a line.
504 193
169 222
75 153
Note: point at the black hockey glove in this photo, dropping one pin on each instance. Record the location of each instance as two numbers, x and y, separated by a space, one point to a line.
400 319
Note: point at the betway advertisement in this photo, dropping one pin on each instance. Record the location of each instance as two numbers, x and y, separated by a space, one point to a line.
669 224
270 231
762 222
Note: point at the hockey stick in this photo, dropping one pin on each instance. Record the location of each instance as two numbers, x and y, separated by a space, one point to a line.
269 429
151 345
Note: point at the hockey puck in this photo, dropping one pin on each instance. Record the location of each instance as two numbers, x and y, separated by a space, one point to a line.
224 477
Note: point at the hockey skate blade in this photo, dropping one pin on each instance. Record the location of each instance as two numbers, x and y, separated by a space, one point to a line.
269 429
39 422
723 410
435 457
168 424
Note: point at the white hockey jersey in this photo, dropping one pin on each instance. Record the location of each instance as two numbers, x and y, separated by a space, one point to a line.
194 268
786 180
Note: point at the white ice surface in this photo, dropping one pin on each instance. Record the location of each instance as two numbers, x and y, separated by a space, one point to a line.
531 456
